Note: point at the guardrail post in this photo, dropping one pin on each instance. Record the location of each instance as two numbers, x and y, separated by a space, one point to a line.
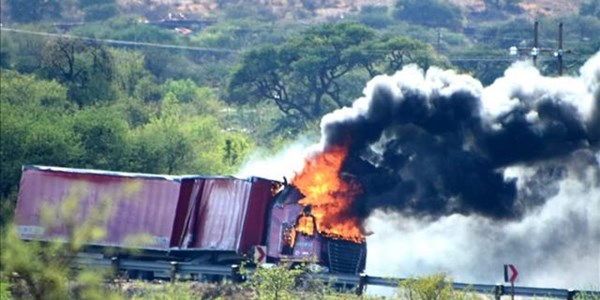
498 291
235 274
114 264
362 282
173 274
571 294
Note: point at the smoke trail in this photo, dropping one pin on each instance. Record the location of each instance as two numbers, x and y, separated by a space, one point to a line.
437 143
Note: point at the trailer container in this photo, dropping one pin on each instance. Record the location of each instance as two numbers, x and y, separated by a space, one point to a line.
142 207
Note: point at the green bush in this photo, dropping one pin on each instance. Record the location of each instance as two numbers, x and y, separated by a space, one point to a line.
286 281
433 287
46 269
432 13
587 296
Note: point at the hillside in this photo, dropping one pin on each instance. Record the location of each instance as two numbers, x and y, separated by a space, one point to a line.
337 8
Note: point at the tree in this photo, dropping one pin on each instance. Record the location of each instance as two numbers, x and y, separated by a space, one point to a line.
432 13
22 52
375 16
401 51
86 68
103 135
96 10
161 146
194 100
302 76
128 71
309 74
29 91
34 135
34 127
29 11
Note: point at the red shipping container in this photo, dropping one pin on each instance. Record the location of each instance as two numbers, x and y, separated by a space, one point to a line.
230 215
153 206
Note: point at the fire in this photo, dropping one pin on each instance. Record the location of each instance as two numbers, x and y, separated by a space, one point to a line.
328 197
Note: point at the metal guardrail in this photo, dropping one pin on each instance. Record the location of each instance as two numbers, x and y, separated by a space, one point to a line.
360 281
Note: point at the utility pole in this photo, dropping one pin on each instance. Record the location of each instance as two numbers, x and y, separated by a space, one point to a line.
535 50
559 52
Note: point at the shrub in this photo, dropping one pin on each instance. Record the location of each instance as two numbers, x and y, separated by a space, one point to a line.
432 13
46 269
433 287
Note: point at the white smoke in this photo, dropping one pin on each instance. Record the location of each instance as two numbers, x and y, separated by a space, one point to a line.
557 246
554 245
286 163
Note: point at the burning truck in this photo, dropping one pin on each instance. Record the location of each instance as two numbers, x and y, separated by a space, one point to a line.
205 220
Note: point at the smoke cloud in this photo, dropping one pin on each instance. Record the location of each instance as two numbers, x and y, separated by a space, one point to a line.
437 143
461 178
556 245
286 163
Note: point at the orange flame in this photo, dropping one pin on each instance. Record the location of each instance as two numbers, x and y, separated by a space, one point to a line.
329 196
306 224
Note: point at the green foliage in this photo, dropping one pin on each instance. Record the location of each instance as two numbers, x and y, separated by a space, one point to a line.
148 90
590 8
236 149
27 90
239 34
161 146
403 51
306 77
22 52
103 134
301 76
588 296
374 16
485 71
193 99
34 127
433 287
185 290
505 34
34 135
183 90
85 68
100 12
25 11
248 10
5 287
275 282
136 112
7 209
432 13
129 71
43 270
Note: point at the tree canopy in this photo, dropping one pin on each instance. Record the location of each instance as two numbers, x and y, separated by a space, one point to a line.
305 75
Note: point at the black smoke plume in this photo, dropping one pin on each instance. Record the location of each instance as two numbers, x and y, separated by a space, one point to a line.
438 143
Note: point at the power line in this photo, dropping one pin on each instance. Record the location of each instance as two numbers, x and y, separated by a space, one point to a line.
120 42
218 50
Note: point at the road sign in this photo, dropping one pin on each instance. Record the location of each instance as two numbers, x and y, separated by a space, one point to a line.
510 273
260 254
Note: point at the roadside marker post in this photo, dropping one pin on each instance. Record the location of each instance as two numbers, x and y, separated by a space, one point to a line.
260 254
510 274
